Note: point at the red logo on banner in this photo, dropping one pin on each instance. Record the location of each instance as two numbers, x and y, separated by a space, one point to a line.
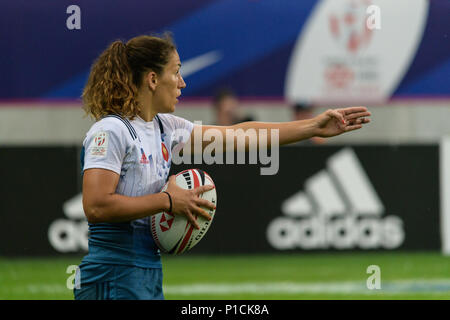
349 26
339 76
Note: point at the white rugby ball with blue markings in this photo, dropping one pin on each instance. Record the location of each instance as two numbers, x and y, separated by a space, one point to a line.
174 234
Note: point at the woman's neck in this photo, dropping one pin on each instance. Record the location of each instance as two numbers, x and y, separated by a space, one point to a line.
147 113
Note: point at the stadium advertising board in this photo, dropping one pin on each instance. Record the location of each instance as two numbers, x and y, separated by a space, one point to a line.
37 183
350 62
356 49
330 198
322 198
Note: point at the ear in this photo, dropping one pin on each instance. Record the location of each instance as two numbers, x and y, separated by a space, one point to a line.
151 80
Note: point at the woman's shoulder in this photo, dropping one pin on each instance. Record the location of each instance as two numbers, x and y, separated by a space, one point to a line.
115 125
173 121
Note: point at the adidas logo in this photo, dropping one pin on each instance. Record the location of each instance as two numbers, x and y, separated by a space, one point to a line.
71 233
339 209
144 159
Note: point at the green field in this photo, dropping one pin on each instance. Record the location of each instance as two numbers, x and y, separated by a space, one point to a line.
299 276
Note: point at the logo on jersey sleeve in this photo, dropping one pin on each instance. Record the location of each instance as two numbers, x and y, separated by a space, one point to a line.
165 153
99 145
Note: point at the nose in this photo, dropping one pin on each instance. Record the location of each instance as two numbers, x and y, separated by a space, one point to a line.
181 83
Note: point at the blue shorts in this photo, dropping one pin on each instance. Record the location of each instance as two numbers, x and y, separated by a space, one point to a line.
123 283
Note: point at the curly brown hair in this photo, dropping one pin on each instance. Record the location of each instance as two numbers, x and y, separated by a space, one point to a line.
117 74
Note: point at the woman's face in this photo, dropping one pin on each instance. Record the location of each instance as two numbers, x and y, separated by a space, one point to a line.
168 86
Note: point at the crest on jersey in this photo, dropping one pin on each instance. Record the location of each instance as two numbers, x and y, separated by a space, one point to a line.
165 153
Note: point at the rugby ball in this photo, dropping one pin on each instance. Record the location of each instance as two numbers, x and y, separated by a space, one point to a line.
174 234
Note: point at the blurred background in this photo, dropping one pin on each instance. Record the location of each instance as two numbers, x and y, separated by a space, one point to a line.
379 196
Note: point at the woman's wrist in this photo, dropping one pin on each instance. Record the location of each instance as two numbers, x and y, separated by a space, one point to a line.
170 203
310 128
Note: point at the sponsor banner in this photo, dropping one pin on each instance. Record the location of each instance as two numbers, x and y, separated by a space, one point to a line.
322 198
312 49
37 214
329 198
345 52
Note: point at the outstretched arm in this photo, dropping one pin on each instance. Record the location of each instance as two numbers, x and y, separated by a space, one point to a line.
330 123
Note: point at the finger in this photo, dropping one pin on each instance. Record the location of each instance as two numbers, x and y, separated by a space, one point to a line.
358 121
192 220
202 213
202 189
363 120
172 179
358 115
353 127
338 115
351 110
206 204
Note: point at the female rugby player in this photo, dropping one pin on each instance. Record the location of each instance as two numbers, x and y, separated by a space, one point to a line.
132 90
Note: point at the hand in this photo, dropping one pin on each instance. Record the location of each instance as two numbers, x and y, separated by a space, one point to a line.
336 121
187 202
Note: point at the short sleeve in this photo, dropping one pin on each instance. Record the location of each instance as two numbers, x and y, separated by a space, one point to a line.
180 130
105 148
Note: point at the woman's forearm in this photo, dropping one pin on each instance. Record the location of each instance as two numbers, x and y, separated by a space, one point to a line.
288 132
330 123
119 208
246 135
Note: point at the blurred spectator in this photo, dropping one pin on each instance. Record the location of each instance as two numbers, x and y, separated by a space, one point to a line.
226 105
303 111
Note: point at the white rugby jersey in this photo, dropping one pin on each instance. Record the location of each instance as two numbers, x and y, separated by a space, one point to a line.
140 152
